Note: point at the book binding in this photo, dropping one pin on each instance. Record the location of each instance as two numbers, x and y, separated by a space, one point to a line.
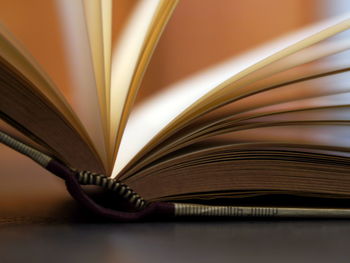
155 210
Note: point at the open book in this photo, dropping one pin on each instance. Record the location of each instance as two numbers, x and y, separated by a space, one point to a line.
258 135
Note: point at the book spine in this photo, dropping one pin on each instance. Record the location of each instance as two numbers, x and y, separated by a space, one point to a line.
74 179
155 210
185 209
37 156
111 184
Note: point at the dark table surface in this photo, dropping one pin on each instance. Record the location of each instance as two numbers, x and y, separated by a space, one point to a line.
39 222
235 241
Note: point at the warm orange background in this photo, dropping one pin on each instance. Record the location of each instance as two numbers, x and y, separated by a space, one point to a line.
201 33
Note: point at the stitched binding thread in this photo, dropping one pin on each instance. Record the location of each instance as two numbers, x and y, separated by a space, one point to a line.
90 178
39 157
84 177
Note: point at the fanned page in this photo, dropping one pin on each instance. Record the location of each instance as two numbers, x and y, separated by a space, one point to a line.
98 16
87 34
306 74
93 15
106 10
30 102
82 28
130 59
102 104
199 94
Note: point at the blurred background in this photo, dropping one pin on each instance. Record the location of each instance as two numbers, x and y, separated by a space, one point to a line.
200 33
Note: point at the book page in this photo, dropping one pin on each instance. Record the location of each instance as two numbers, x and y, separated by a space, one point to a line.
326 91
182 102
93 17
130 59
106 9
13 52
81 66
16 55
25 105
